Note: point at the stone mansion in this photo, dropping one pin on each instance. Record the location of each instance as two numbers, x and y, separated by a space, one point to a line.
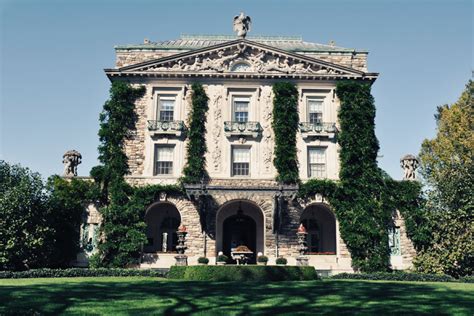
244 204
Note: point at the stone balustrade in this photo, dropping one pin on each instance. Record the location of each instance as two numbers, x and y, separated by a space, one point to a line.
319 129
234 128
176 128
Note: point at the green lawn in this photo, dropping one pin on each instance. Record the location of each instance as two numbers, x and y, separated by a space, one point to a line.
144 295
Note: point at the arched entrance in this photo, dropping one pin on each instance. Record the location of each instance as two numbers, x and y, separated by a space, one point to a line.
320 224
162 220
240 223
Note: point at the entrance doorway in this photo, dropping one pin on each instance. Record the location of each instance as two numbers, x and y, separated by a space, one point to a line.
239 230
240 223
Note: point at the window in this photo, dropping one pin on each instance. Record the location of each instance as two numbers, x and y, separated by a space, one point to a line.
315 110
240 161
241 109
166 105
163 160
317 162
394 241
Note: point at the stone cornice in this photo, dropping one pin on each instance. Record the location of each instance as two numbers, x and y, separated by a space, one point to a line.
295 66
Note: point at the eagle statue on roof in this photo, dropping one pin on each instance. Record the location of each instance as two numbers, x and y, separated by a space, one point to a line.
242 24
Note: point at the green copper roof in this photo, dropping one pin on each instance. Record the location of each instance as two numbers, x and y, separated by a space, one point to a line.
191 42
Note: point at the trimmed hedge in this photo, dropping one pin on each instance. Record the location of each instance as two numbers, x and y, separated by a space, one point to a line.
243 273
398 276
80 272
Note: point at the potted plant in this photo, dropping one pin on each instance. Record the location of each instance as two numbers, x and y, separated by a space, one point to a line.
222 259
203 261
281 261
262 260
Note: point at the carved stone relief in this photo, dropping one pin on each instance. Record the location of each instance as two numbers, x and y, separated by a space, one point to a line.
243 58
216 97
267 135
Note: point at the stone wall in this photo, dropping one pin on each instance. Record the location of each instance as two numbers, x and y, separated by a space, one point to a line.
125 57
356 60
135 145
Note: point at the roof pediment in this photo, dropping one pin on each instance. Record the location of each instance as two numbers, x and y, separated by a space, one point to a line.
240 58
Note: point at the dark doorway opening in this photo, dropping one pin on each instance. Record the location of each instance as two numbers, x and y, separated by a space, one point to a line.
240 230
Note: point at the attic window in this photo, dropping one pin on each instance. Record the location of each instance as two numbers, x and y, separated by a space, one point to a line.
240 67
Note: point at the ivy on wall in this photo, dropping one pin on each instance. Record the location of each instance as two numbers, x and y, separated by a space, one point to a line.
365 198
407 198
361 199
285 126
122 206
195 168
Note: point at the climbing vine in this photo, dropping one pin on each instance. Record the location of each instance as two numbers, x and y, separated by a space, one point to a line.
361 198
285 126
195 168
364 199
121 205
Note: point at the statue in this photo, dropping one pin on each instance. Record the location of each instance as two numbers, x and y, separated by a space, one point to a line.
71 159
409 163
242 25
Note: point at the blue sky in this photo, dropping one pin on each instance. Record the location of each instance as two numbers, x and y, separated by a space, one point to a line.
52 85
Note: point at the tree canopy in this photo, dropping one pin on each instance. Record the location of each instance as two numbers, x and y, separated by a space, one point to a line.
448 170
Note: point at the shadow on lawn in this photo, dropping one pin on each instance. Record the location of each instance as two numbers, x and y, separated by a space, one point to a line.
182 298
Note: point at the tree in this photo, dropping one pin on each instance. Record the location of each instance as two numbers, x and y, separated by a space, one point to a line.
24 228
448 170
67 201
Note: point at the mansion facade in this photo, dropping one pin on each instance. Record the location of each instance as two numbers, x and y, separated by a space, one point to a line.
242 204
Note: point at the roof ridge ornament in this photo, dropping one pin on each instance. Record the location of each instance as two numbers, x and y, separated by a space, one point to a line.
242 25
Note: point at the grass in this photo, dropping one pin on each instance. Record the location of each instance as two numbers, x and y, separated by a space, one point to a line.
152 296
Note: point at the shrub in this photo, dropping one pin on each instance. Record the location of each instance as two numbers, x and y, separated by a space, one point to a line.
203 260
395 276
262 259
80 272
176 272
467 279
281 260
243 273
222 258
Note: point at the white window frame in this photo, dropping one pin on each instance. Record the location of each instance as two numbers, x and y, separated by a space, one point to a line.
233 174
155 160
241 98
165 97
308 108
310 163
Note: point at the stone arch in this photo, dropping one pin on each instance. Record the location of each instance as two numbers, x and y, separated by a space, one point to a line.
162 221
321 225
253 232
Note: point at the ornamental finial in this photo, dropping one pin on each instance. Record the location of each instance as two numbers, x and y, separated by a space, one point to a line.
242 25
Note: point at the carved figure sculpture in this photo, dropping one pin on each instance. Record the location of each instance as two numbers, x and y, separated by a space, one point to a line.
71 159
242 24
409 164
